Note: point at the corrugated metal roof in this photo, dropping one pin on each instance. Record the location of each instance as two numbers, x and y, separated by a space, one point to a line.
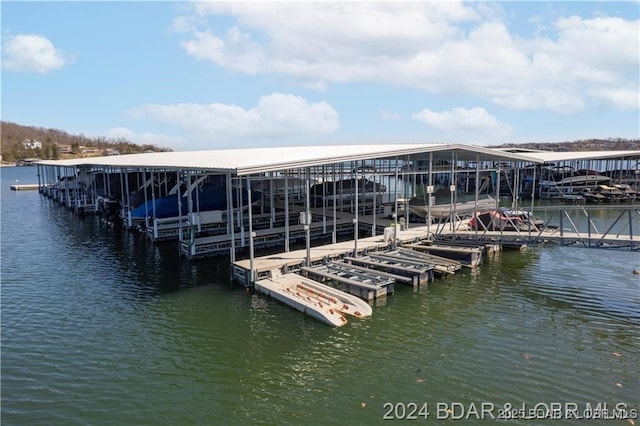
258 160
552 157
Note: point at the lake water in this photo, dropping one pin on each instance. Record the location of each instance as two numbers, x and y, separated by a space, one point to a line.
104 327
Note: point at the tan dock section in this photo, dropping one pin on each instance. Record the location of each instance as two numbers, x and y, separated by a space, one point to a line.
317 300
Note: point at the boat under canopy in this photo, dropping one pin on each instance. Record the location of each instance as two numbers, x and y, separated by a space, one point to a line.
206 198
345 190
441 208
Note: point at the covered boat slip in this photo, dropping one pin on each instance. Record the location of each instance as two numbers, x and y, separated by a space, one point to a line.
275 197
296 166
290 175
270 177
286 181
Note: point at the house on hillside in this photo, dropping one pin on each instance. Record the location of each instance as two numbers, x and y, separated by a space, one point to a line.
88 150
31 144
64 149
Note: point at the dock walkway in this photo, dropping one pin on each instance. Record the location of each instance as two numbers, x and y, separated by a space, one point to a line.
593 240
293 260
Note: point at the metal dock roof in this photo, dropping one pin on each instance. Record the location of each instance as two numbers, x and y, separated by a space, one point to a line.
259 160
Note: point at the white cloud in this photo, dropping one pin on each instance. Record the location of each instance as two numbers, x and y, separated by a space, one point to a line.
275 115
146 138
32 53
341 41
389 115
450 48
236 50
461 120
622 98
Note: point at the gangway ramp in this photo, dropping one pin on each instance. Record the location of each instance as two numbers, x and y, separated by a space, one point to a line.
367 284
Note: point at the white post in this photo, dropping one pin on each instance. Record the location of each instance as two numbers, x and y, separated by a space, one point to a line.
355 221
286 213
251 234
307 218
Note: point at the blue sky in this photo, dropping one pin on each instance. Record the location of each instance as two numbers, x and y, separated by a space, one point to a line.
214 75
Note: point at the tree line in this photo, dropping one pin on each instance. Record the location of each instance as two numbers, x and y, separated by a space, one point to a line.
609 144
13 150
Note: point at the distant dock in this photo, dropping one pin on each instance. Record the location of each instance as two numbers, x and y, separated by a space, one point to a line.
24 187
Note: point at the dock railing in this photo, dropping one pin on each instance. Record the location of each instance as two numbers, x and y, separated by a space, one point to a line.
610 226
598 226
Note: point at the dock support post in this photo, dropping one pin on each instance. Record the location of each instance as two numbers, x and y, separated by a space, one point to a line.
588 228
376 185
334 233
286 213
307 219
355 220
230 219
251 235
452 190
395 208
630 230
430 191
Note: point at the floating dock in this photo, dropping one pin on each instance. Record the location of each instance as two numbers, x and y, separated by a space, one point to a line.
352 267
317 300
418 272
24 187
366 284
468 256
441 265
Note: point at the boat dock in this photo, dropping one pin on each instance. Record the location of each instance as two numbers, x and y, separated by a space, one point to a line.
361 198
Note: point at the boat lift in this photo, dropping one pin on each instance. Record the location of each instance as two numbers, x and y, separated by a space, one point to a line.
365 283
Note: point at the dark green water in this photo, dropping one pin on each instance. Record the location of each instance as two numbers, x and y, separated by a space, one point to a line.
101 327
